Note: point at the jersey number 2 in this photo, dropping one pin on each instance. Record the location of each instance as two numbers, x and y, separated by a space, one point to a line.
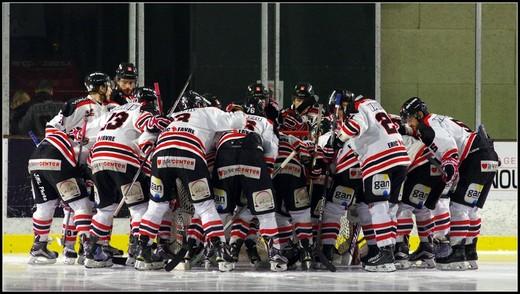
386 122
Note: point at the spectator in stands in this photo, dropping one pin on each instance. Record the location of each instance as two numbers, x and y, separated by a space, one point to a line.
43 110
19 105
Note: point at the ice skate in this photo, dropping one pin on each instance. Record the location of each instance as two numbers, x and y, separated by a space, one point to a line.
69 255
132 250
40 254
456 261
383 261
276 259
222 254
423 256
145 259
252 253
96 255
305 254
471 254
401 255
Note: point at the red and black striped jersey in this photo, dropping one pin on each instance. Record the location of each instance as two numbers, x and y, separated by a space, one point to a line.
374 137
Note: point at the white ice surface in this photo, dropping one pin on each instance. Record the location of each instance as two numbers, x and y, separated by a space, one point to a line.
17 275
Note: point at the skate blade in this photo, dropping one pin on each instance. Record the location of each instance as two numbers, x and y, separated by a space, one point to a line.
130 261
472 265
402 264
423 264
225 266
387 267
143 266
90 263
40 260
454 266
69 260
278 267
81 260
183 266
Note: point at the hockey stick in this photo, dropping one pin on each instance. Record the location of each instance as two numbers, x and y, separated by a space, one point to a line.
317 248
120 205
159 98
284 163
353 243
172 110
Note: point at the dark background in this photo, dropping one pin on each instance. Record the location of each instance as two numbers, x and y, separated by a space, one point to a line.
327 45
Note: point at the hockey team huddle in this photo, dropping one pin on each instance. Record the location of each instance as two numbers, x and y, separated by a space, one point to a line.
284 176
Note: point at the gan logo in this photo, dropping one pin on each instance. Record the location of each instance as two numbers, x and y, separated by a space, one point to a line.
156 188
343 196
488 166
381 185
263 200
473 193
419 194
220 199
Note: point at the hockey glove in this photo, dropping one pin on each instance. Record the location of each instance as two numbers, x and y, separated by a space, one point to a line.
451 173
76 135
145 149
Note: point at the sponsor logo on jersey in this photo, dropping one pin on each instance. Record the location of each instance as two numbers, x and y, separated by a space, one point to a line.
156 188
434 171
381 185
220 199
419 194
68 189
301 197
292 169
343 196
355 173
175 162
238 169
473 193
488 166
44 164
108 165
199 189
263 200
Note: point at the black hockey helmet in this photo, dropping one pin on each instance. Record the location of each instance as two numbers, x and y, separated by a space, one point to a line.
191 99
213 99
306 92
257 90
148 98
96 79
411 107
126 71
339 96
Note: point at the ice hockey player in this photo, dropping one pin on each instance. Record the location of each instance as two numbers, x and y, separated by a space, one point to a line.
469 162
383 161
126 83
179 157
346 175
55 170
421 191
301 115
244 163
114 162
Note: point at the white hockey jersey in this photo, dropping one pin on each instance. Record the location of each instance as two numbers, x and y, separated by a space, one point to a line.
71 117
259 125
194 129
451 136
417 151
374 137
118 137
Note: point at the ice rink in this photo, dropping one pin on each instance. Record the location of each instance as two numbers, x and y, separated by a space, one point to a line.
494 274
